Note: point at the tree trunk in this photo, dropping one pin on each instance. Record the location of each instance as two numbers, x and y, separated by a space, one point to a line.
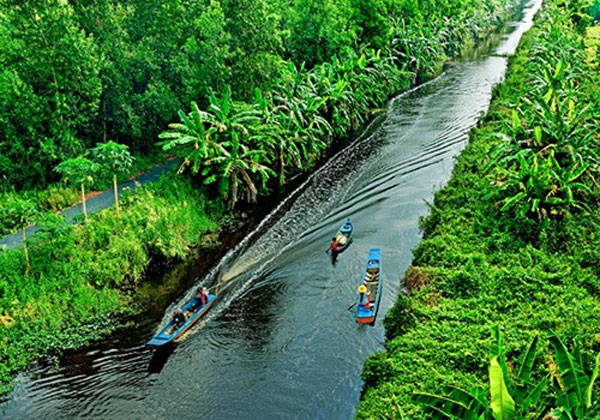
116 194
24 235
83 201
281 168
104 120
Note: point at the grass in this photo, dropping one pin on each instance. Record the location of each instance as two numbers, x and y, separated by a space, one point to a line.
592 41
59 196
477 267
82 276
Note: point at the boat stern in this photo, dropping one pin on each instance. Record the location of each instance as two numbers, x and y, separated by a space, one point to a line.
365 320
158 341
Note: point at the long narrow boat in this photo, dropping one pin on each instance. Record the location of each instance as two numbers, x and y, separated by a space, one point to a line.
192 312
366 310
343 237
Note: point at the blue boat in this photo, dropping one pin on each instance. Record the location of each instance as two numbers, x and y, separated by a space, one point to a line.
343 237
192 311
369 293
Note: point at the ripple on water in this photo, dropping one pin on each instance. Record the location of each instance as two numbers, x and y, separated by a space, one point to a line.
279 342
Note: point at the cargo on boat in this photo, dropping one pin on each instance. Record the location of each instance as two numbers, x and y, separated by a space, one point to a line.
192 311
369 293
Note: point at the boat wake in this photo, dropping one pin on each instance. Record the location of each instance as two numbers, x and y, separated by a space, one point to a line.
309 208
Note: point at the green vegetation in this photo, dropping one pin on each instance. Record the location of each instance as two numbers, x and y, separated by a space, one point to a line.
308 72
114 158
58 196
272 86
78 73
573 374
80 275
285 129
513 241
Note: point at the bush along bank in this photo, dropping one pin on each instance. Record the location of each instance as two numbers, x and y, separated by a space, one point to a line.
79 277
246 148
510 252
291 121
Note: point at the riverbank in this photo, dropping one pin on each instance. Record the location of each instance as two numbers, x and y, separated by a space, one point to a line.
505 245
83 277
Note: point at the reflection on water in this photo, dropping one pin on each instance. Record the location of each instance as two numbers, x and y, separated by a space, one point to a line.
280 342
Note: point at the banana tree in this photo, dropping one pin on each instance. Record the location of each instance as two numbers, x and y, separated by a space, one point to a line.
78 171
236 170
528 182
512 394
227 115
575 378
114 158
282 144
217 145
302 133
193 139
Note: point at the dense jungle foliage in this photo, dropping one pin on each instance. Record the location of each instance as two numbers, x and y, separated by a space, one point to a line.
271 85
511 248
74 74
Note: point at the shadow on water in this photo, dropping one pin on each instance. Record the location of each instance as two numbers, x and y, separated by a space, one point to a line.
160 357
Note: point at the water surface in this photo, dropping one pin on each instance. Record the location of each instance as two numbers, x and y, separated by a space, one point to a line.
279 342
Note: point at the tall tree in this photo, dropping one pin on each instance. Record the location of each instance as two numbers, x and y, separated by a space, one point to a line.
78 171
206 54
320 29
113 158
22 212
373 20
56 67
108 22
256 44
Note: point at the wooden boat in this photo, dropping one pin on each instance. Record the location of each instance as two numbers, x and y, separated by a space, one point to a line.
343 237
366 310
192 311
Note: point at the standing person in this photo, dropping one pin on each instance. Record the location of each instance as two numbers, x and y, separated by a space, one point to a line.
334 250
363 299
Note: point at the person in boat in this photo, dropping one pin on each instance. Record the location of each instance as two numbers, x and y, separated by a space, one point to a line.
363 297
201 297
178 319
334 250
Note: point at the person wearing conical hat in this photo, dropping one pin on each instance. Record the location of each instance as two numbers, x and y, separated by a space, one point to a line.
363 299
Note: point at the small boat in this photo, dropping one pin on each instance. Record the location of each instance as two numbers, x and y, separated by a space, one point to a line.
343 237
192 311
369 293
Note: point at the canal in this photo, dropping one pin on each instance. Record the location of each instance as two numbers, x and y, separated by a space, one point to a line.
280 342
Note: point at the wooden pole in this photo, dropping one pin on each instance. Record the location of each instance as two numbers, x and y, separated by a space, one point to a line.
83 201
116 194
24 235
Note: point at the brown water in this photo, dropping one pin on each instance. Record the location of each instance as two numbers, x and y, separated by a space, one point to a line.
279 342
